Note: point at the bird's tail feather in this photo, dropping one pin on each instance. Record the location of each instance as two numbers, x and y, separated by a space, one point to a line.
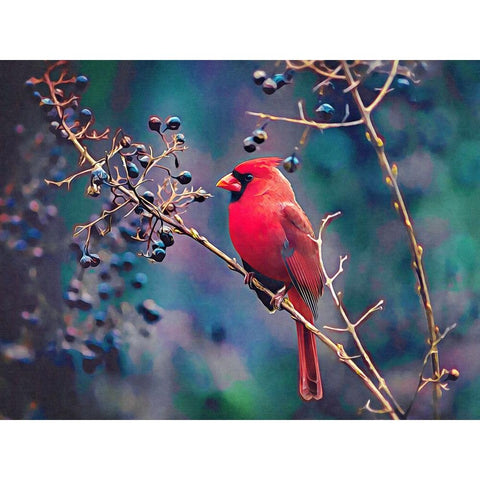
309 379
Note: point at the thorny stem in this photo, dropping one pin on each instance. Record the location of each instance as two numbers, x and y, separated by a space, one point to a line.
417 250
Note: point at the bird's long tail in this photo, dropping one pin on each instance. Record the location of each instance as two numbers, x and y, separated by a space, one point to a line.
309 379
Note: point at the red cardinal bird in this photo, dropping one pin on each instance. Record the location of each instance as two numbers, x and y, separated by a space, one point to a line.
276 242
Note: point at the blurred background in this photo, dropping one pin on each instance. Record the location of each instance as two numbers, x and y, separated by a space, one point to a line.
210 350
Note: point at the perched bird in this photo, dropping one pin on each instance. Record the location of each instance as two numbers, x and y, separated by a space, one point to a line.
277 245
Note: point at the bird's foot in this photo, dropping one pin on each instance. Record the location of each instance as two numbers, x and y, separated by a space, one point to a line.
277 299
249 279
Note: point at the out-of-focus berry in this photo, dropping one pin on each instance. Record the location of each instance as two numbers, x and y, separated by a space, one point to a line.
325 112
269 86
249 145
139 280
259 76
291 163
259 135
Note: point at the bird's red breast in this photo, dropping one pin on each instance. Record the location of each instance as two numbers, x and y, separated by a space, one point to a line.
274 237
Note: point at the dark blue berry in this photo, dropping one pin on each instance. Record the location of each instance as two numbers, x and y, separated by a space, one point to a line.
218 334
115 261
139 280
20 245
288 74
259 135
279 80
158 254
154 123
200 197
184 177
104 290
36 96
29 85
128 261
158 244
149 196
403 85
132 170
140 149
179 138
166 236
81 82
150 311
269 86
291 163
172 123
33 236
144 159
85 116
85 261
48 102
95 259
259 76
53 127
249 145
100 318
325 112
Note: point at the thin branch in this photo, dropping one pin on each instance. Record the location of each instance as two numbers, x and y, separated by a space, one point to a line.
309 123
351 327
416 249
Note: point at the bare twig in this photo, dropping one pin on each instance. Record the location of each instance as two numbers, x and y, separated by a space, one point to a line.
416 249
351 327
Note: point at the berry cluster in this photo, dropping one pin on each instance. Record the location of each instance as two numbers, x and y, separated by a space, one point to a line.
124 170
270 84
258 136
98 313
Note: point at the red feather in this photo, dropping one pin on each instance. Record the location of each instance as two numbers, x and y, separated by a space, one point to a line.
272 234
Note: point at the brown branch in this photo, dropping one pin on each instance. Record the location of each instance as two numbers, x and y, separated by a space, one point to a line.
417 251
351 327
308 123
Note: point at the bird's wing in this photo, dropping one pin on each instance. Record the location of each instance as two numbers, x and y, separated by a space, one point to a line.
300 254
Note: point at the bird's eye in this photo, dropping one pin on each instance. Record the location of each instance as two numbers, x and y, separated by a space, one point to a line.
248 177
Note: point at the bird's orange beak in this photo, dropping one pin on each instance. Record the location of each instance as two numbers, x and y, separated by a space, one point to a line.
229 182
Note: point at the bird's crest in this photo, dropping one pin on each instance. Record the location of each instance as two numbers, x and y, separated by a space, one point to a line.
257 166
